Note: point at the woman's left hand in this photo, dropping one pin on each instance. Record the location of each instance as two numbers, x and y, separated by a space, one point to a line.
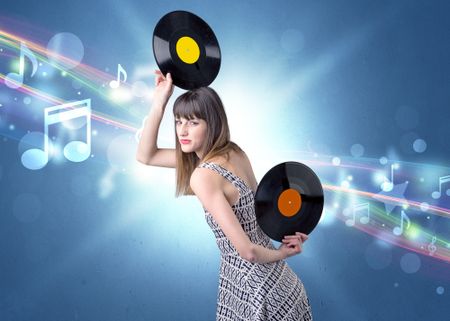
294 240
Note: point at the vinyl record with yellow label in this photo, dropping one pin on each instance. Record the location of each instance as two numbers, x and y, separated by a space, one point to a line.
289 199
185 46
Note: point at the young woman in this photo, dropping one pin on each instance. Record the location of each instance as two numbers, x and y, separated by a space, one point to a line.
255 283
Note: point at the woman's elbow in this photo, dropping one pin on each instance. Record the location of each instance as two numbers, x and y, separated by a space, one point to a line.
249 254
142 160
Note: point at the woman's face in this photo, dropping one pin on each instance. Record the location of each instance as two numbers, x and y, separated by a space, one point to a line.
191 134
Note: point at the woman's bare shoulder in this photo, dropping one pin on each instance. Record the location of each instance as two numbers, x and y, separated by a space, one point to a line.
204 176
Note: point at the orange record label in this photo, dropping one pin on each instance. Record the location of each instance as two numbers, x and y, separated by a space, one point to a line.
289 202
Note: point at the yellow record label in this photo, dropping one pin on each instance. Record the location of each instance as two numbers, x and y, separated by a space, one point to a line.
188 50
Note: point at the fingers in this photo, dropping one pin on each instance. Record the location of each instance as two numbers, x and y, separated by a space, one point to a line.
159 77
169 78
294 243
297 235
304 237
295 248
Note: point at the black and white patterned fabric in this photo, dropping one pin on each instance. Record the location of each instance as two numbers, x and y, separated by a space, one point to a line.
254 291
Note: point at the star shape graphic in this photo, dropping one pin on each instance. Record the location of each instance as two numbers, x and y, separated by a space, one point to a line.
393 198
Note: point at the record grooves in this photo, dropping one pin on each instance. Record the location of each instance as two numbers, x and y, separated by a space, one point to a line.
289 199
185 46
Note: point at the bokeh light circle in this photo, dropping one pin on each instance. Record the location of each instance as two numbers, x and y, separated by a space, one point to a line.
357 150
27 100
440 290
410 263
65 50
419 145
336 161
424 206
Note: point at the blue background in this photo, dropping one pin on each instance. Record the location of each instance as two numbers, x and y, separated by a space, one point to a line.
106 239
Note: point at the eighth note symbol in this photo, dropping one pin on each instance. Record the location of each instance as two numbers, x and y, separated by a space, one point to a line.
116 83
388 185
138 134
15 80
431 246
399 230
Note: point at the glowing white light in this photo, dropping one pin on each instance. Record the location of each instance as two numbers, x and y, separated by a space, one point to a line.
424 206
387 186
336 161
383 160
121 94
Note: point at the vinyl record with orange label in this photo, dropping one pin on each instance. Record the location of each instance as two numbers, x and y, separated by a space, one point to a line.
185 46
289 199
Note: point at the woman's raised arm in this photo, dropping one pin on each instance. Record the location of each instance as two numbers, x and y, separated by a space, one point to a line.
148 152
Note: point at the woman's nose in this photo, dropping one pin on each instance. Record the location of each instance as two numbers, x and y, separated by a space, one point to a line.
183 130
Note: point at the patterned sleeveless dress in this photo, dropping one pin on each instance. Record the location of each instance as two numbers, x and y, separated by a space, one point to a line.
254 291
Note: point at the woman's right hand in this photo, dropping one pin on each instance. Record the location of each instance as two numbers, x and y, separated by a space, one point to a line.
289 250
163 88
292 244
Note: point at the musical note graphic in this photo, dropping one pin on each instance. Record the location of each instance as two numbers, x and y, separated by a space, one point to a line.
442 180
358 208
116 83
138 134
75 151
431 247
15 80
399 230
388 185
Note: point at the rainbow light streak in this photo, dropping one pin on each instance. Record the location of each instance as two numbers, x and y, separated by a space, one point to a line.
52 99
90 77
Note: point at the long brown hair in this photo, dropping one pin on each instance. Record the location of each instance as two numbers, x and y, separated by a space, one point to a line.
203 103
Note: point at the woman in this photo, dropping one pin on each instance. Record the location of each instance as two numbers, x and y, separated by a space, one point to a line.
255 283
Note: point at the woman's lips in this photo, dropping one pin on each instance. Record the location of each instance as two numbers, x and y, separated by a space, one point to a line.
185 141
